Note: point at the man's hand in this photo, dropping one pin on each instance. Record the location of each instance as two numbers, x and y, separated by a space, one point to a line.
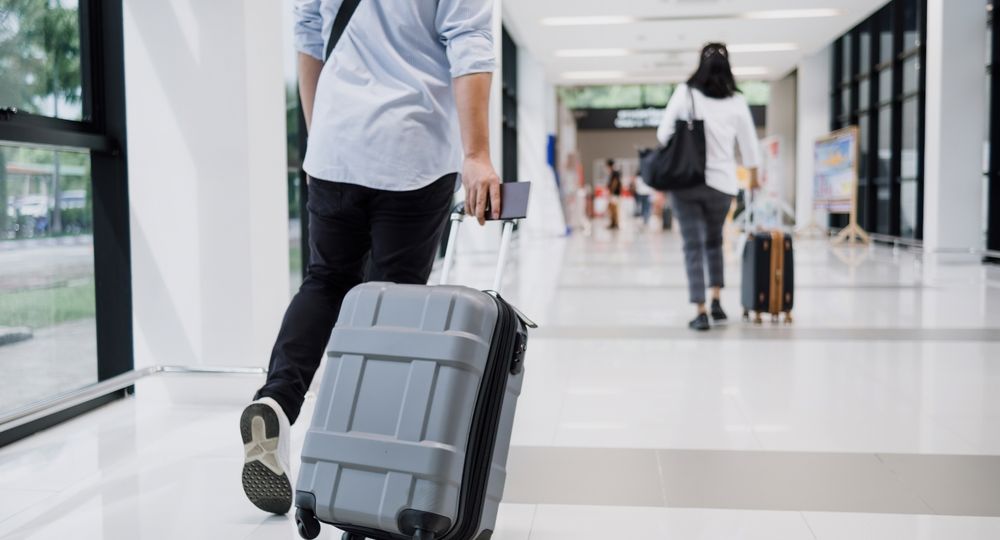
472 98
481 182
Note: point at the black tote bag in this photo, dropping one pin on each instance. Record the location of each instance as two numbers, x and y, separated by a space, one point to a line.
681 163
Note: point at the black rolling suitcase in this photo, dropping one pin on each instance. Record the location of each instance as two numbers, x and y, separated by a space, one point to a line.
768 275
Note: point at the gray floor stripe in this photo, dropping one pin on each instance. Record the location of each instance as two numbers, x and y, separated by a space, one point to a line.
789 481
676 263
683 286
767 331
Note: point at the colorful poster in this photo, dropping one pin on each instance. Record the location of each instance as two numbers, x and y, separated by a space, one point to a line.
836 178
770 180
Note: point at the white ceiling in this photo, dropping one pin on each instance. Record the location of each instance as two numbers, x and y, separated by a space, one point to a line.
666 50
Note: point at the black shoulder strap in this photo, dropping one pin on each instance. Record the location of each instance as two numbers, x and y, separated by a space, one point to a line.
340 23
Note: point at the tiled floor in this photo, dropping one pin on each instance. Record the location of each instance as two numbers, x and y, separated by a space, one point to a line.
874 416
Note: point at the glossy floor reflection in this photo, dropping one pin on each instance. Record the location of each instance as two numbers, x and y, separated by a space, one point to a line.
874 416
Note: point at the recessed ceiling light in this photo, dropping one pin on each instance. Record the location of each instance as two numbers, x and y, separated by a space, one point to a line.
762 47
578 75
589 21
792 13
736 48
593 53
749 71
602 20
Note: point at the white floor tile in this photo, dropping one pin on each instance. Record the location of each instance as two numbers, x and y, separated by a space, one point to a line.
13 501
166 463
603 522
829 526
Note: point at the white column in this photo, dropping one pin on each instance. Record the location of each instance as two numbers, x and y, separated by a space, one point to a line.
956 116
813 121
781 122
206 122
536 122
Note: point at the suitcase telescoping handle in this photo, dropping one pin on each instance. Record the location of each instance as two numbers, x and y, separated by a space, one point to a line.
457 216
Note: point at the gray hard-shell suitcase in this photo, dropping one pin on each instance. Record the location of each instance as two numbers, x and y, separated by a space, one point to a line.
413 419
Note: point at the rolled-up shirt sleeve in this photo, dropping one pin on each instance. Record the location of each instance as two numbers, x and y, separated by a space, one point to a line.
466 29
309 28
746 137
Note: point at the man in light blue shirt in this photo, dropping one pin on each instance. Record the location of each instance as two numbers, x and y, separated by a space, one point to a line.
397 111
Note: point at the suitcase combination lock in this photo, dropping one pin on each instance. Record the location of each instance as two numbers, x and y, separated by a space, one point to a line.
520 348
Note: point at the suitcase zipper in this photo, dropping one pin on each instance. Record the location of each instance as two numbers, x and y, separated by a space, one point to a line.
483 434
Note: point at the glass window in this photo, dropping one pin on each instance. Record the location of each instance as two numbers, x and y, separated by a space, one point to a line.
601 97
755 92
657 94
882 202
295 157
911 74
885 21
863 139
989 37
885 85
40 57
48 339
911 25
864 93
884 142
864 49
846 70
908 168
845 100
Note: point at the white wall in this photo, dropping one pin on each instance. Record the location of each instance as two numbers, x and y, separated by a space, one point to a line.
813 106
207 179
536 122
956 116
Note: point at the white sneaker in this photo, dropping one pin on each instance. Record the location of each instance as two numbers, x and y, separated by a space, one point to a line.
266 433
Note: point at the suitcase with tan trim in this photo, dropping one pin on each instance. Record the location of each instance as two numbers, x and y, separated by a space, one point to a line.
768 276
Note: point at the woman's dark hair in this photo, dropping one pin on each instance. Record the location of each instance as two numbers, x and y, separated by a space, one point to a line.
714 76
610 163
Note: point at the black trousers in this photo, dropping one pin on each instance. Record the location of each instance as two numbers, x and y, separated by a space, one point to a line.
355 234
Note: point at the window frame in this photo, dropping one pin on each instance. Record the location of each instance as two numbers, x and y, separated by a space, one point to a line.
102 132
868 186
993 174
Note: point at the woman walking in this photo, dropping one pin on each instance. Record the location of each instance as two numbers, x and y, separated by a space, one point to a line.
710 95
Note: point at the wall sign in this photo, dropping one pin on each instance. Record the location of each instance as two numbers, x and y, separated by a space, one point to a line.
636 118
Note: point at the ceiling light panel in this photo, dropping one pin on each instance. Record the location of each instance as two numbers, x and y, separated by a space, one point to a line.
792 13
589 21
614 53
593 53
605 20
588 75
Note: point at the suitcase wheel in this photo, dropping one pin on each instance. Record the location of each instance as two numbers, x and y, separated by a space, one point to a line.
746 315
758 319
307 523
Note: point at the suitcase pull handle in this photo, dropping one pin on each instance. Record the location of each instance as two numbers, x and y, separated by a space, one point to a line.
457 217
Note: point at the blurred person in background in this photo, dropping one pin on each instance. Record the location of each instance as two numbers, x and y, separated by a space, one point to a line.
702 210
643 199
614 192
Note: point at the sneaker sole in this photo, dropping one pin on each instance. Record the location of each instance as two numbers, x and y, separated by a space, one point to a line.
267 490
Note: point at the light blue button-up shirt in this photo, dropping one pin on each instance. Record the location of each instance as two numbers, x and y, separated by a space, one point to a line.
385 113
